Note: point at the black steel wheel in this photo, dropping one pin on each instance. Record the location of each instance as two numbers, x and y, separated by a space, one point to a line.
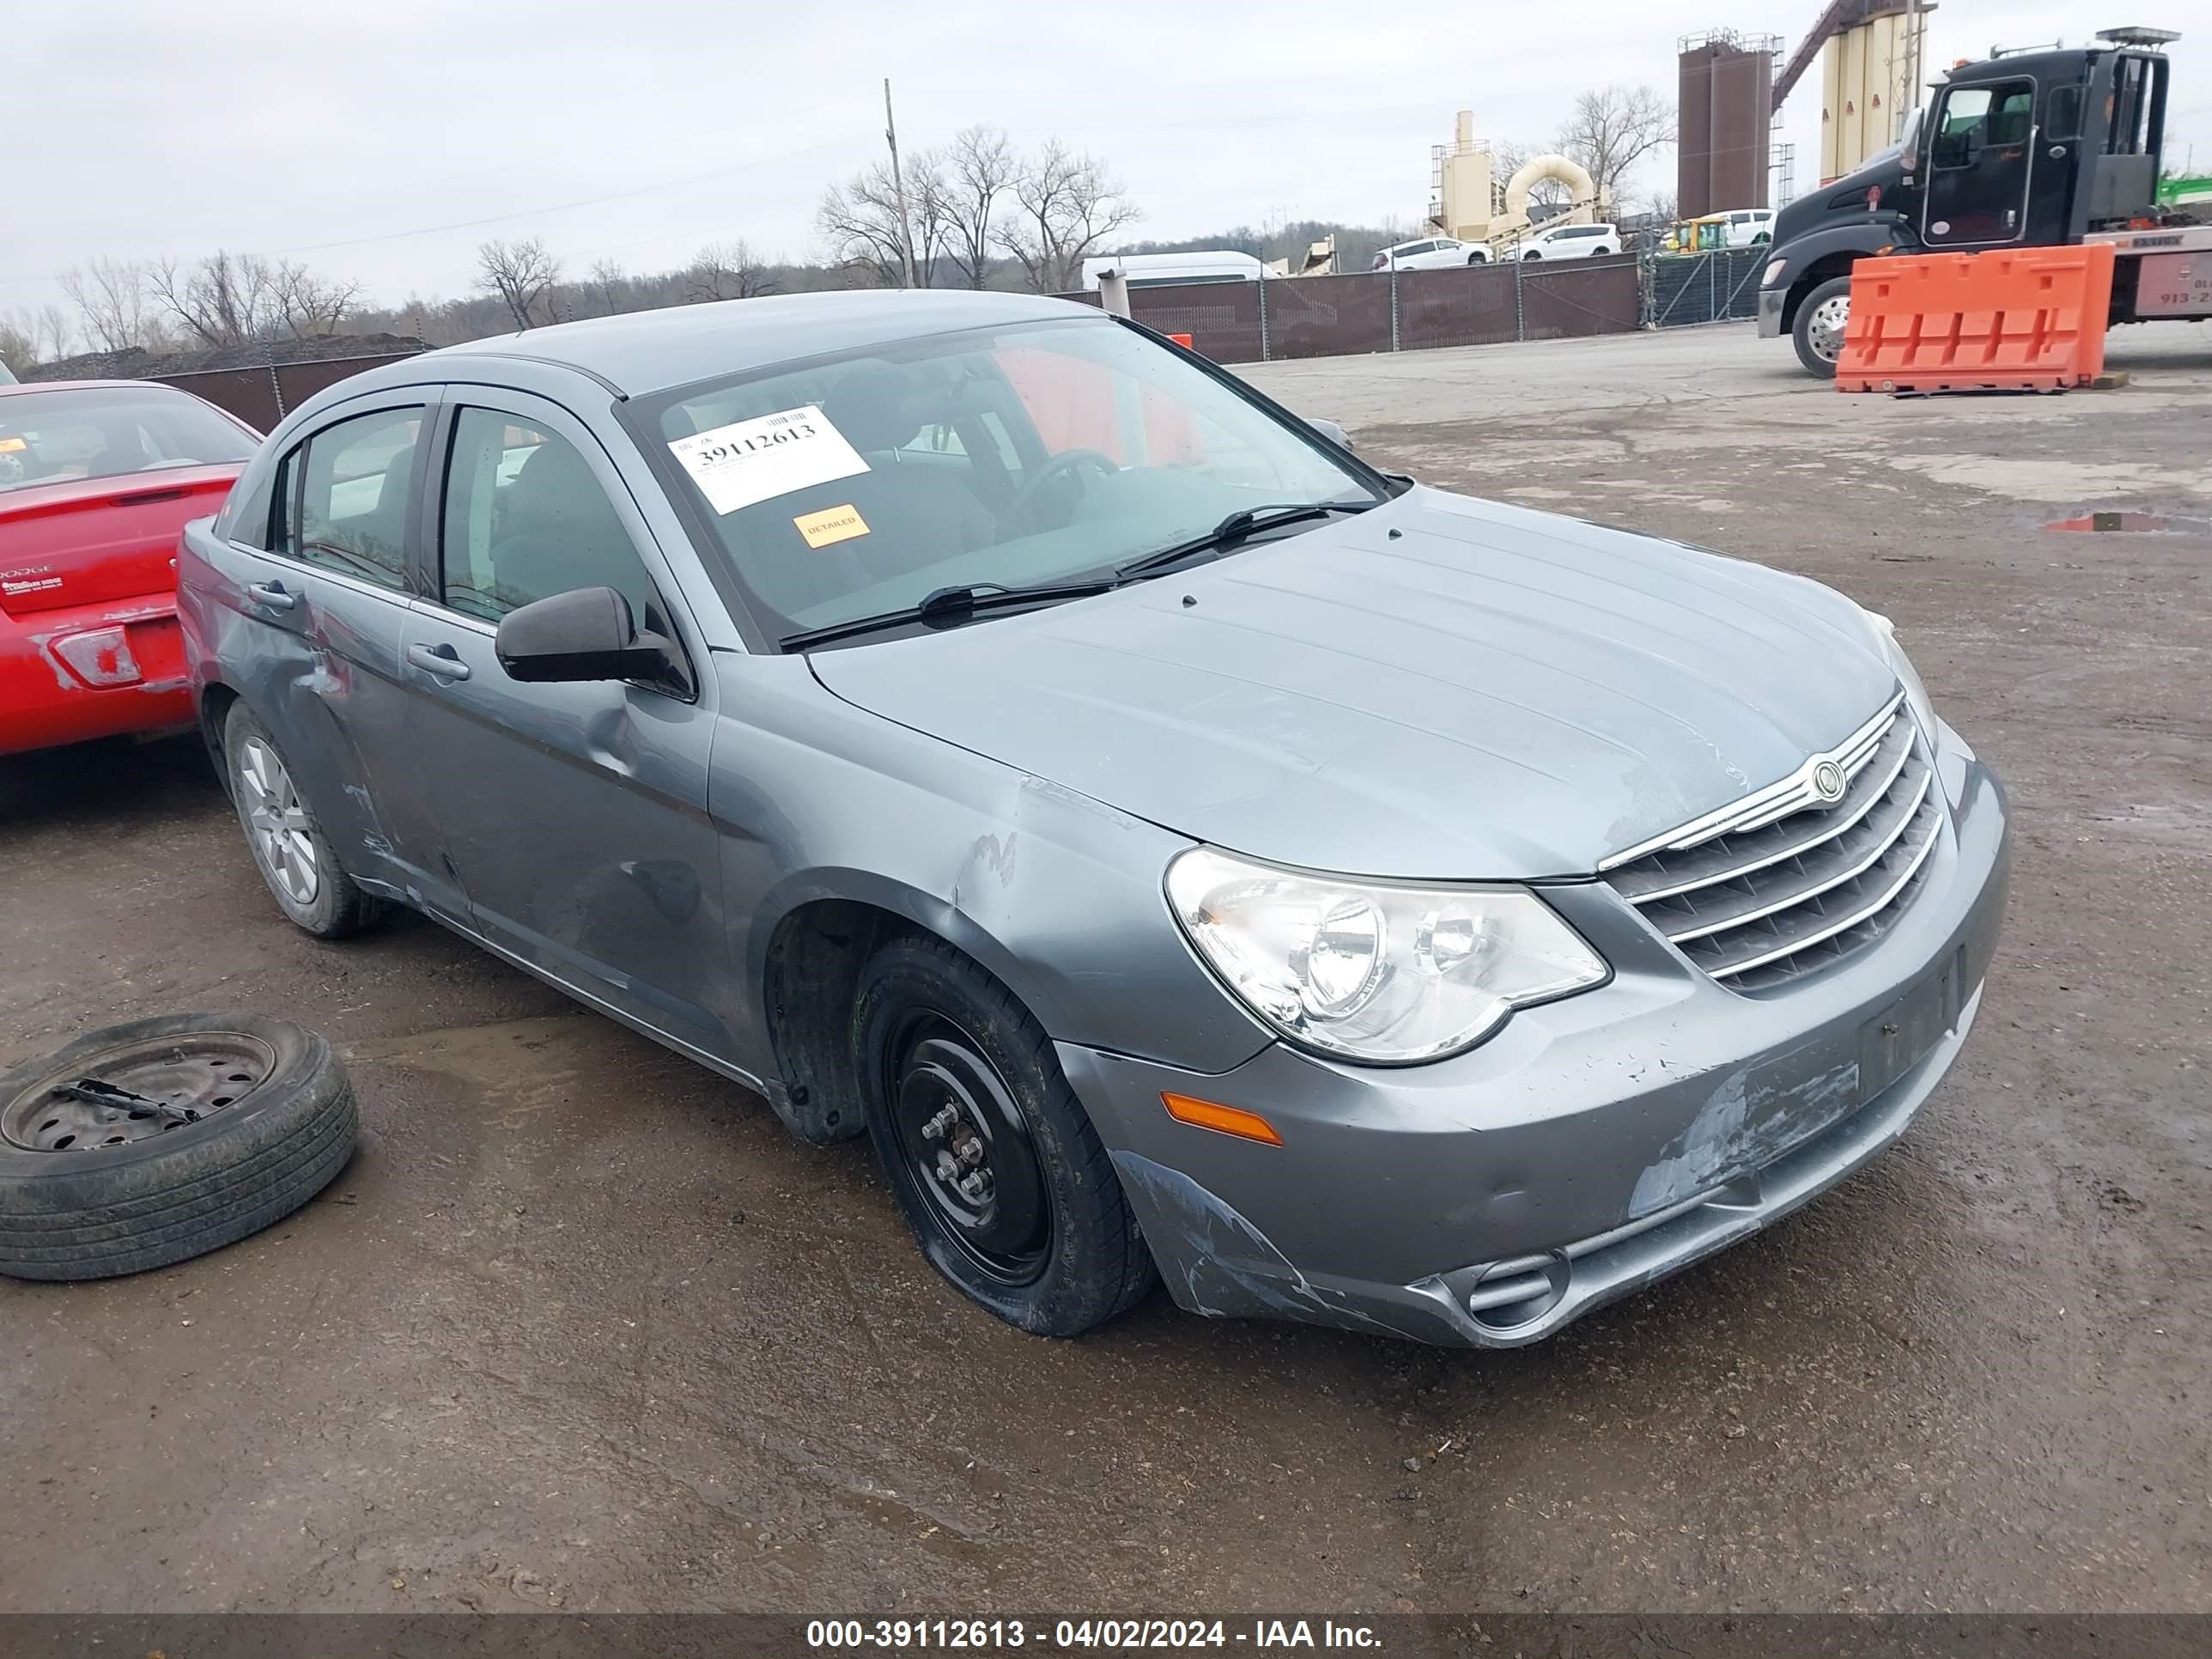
146 1144
992 1158
965 1149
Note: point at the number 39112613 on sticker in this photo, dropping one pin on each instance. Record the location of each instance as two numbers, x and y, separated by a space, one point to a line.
756 460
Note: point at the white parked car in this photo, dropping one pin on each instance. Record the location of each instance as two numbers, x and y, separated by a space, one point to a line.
1750 227
1568 242
1431 253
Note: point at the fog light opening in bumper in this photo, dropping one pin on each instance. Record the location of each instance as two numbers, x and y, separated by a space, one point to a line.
1513 1295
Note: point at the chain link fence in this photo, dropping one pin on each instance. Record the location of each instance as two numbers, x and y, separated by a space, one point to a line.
1718 286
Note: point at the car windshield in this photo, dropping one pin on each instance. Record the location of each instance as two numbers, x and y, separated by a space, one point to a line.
105 432
1039 453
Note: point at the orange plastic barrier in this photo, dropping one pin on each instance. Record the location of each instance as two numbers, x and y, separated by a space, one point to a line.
2017 320
1183 340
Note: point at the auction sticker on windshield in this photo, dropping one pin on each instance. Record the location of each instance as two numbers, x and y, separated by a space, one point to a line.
749 461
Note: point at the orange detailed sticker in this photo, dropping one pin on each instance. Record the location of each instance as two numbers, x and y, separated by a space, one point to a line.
831 525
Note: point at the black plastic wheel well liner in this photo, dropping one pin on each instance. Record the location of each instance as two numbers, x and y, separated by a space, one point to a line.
814 964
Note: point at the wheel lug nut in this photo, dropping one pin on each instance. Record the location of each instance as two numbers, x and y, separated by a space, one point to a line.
941 1124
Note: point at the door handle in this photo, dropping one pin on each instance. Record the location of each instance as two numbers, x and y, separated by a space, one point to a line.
272 594
438 659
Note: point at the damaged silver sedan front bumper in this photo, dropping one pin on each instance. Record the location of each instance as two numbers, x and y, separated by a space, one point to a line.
1594 1146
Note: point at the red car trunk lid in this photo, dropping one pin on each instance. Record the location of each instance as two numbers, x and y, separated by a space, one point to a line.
92 540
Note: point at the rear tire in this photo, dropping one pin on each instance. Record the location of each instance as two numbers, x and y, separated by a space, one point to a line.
960 1085
1819 332
288 843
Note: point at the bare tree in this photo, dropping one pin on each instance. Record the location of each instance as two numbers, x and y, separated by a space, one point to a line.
1065 203
48 329
727 271
607 288
307 305
980 167
225 300
1613 128
114 302
19 352
860 221
521 277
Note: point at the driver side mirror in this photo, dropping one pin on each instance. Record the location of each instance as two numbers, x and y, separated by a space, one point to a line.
585 634
1335 433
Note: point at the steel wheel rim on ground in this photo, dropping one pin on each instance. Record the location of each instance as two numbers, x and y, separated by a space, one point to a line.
954 1118
205 1070
277 824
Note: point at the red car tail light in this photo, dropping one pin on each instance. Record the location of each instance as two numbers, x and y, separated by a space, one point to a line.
99 658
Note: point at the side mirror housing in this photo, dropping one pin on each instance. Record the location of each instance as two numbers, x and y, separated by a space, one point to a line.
585 634
1335 433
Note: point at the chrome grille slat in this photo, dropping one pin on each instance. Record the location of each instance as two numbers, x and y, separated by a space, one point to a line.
1708 863
1761 805
1881 830
1768 894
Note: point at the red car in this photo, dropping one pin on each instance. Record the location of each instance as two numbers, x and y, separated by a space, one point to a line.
97 480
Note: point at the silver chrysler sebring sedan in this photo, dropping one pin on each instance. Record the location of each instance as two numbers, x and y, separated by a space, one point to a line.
1182 848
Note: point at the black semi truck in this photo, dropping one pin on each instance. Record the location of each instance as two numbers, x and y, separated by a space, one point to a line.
2034 148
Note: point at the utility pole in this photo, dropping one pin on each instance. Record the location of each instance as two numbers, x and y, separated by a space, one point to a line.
898 185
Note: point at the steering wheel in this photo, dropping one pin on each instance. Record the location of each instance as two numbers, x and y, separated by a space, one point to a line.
1063 464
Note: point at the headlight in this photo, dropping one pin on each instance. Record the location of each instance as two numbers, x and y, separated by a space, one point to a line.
1774 268
1884 633
1374 972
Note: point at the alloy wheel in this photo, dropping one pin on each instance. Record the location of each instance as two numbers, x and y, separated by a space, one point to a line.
277 824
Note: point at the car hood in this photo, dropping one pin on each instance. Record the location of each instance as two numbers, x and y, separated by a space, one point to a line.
1441 687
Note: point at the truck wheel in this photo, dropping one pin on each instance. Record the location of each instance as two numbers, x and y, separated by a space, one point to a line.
1822 316
1478 257
996 1164
103 1172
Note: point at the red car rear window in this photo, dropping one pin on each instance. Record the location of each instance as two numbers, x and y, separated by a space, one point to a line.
105 432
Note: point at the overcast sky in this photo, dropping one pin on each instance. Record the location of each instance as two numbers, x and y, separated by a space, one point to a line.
384 142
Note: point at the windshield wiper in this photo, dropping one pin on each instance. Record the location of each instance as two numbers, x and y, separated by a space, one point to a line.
948 607
1244 522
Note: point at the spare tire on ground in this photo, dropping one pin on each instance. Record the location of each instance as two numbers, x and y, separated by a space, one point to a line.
147 1144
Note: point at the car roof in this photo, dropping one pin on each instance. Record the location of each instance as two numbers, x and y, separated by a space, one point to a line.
7 389
647 351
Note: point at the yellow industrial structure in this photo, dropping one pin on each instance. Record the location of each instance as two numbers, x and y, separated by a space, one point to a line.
1469 203
1868 78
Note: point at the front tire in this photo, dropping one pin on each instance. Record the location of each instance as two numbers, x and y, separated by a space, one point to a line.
993 1162
289 845
1822 317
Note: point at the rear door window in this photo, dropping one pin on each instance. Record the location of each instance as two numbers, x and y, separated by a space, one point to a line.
354 483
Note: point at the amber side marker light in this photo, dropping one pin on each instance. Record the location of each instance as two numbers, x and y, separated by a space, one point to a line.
1205 1114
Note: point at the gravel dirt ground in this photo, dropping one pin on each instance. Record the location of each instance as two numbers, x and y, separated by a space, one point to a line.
581 1327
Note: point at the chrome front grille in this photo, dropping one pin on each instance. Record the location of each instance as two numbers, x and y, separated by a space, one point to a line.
1786 880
